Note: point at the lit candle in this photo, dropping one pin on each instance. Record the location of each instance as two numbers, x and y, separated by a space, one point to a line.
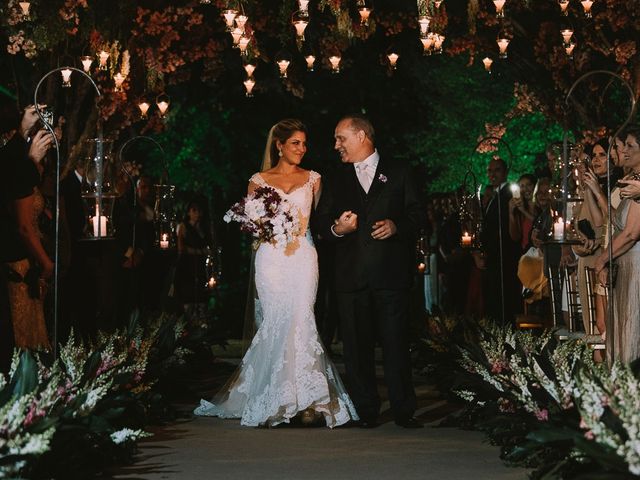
211 283
466 239
421 267
99 224
164 241
558 229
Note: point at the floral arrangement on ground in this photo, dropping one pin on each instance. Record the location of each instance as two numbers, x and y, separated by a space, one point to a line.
88 407
548 405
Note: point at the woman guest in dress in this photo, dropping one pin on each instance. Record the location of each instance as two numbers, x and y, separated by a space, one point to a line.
26 261
522 211
623 332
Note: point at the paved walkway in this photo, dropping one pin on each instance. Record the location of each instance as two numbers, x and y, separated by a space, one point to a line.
211 448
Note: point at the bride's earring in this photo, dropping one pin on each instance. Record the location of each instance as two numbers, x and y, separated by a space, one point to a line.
279 152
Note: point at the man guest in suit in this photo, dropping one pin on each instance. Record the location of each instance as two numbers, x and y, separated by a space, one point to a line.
371 211
502 253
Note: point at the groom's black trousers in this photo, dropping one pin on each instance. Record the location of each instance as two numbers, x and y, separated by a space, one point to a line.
366 316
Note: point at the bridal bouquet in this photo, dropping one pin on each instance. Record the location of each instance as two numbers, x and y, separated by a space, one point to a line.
267 216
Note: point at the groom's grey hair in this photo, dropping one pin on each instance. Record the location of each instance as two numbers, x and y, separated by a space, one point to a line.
360 122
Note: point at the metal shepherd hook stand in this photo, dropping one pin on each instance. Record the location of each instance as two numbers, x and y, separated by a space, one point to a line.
497 197
99 152
632 100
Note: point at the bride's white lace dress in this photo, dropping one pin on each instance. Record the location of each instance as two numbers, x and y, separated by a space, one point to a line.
286 369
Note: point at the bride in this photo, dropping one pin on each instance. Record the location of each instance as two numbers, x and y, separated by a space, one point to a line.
285 371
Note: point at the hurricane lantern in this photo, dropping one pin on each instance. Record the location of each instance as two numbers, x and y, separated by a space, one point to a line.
164 216
98 188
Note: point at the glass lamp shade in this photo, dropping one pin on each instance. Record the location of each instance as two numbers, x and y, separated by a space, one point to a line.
144 108
300 20
162 102
499 7
335 60
283 65
437 43
66 77
249 68
564 7
304 5
98 188
586 6
86 63
118 80
249 83
229 17
243 43
164 216
393 60
25 7
236 33
241 21
487 62
424 21
310 59
365 13
503 44
103 56
566 33
427 43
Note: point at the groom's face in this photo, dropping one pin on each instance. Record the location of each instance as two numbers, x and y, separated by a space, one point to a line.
349 142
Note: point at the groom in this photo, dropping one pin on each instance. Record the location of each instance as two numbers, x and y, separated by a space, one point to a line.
370 209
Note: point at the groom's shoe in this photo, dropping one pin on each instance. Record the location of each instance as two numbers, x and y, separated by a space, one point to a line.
409 422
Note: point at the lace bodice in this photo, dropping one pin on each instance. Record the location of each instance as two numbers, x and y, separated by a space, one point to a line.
301 197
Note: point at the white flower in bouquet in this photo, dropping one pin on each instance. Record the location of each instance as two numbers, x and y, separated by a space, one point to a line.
255 209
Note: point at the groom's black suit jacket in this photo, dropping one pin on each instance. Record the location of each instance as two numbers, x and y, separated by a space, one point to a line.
360 260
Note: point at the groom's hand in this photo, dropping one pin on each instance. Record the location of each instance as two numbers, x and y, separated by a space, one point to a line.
383 229
347 223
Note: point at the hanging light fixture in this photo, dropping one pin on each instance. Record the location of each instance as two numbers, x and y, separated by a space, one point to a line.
283 65
229 17
86 63
564 7
568 48
236 33
304 5
424 21
335 60
393 60
586 5
487 62
427 43
241 21
144 108
26 8
249 67
162 102
499 7
503 44
249 83
118 80
310 59
103 57
365 13
566 33
66 77
300 20
243 43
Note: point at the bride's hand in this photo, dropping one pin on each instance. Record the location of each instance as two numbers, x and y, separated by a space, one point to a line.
347 223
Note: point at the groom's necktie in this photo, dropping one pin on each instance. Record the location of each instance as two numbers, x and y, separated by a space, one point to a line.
362 172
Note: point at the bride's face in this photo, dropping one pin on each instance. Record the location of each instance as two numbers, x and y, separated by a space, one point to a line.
294 148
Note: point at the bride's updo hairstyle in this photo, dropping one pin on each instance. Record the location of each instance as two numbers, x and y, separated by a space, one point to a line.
281 131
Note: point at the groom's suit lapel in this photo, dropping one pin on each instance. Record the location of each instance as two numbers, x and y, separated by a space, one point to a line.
377 185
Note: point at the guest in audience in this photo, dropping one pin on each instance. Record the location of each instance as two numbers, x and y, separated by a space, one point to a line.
623 333
194 243
503 299
27 264
522 211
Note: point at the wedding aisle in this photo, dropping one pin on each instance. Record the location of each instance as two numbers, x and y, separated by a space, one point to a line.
198 447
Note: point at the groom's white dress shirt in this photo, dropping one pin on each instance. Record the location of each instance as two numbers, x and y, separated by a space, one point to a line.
366 169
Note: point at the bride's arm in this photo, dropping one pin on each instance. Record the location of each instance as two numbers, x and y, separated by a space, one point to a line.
251 188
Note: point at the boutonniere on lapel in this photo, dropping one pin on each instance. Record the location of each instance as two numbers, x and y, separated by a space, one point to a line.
383 178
